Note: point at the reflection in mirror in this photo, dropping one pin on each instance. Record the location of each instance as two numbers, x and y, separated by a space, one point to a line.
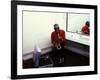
78 23
85 29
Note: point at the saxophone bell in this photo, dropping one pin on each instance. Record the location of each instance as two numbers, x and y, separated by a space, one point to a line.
58 46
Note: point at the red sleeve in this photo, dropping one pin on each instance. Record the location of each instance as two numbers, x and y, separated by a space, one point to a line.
83 29
63 37
53 39
63 34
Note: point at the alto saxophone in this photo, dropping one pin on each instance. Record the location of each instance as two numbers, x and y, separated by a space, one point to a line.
58 42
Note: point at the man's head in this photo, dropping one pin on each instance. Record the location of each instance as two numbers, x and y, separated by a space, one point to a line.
87 23
56 27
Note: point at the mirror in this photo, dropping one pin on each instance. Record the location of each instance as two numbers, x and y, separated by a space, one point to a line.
76 22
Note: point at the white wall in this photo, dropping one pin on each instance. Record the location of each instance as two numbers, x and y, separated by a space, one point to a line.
37 28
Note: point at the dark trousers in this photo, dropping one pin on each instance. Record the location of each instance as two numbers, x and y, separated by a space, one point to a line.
57 55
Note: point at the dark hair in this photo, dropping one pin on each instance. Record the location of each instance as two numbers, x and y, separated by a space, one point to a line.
56 26
87 23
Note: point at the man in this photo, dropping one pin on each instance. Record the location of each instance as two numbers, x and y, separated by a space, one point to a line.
58 42
85 28
58 37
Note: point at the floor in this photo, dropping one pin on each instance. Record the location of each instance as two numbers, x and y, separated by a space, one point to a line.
71 59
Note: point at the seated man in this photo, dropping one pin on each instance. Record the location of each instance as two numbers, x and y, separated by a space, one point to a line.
85 28
58 42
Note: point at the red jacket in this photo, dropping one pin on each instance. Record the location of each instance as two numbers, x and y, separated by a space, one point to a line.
85 29
54 37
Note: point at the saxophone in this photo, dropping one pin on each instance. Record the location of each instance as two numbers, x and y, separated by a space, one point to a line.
58 42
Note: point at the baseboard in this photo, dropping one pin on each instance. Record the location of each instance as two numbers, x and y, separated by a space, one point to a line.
29 55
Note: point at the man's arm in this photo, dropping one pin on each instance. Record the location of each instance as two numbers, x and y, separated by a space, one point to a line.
63 38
